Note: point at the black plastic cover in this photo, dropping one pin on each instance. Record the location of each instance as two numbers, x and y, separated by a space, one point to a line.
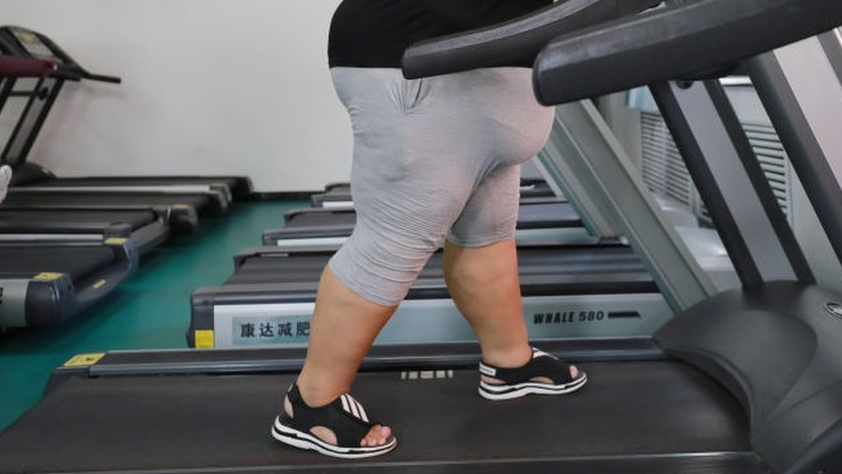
675 42
513 43
778 349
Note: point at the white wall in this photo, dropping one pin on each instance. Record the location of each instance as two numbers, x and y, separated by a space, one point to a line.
210 87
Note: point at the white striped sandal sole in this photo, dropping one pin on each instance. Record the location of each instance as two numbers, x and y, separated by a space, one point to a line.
299 439
509 392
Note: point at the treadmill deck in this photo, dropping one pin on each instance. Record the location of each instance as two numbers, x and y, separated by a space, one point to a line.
632 417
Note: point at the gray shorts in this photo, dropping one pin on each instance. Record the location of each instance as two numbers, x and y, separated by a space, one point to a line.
433 158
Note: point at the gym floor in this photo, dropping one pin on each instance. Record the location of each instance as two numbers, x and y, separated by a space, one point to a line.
151 310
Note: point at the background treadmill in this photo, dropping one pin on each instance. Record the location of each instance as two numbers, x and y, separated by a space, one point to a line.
49 283
145 229
209 195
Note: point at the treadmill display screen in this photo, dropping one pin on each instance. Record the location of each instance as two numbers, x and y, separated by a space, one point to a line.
33 45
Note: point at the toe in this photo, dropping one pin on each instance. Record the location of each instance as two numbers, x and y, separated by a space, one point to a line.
377 436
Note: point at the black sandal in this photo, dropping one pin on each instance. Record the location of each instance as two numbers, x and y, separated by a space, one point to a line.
519 382
347 419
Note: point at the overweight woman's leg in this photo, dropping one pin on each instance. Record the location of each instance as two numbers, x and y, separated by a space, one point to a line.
422 151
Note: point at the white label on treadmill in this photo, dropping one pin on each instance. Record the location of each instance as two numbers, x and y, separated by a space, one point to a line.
439 320
13 302
257 328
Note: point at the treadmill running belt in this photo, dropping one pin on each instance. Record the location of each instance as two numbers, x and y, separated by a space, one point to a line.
44 219
77 262
633 413
301 219
548 214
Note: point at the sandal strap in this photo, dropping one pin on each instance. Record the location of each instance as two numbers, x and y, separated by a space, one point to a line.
541 364
345 417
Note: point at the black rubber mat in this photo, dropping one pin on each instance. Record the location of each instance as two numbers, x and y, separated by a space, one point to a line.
217 422
78 262
56 219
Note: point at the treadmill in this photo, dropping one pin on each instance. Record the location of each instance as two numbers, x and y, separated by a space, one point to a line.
146 229
29 44
47 283
47 220
209 195
181 212
696 399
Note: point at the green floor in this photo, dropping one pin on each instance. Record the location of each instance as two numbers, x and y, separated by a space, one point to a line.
149 311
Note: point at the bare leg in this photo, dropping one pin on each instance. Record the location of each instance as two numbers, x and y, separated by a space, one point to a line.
343 328
484 284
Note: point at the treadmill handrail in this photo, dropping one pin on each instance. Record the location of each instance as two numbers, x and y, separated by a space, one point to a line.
11 66
513 43
675 42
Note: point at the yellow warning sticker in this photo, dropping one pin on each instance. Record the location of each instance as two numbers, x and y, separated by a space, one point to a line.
84 360
99 284
180 206
205 339
47 276
116 241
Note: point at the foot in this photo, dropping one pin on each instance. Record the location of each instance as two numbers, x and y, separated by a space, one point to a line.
339 429
5 179
543 374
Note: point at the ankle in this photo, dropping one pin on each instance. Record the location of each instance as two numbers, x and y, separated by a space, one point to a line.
318 395
508 358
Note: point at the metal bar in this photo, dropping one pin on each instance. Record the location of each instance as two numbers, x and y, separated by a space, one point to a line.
800 88
605 176
731 182
30 123
555 169
6 86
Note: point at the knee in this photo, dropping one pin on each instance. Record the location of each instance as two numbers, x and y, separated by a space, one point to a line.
380 269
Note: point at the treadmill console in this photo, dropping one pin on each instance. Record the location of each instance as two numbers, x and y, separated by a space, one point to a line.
33 45
22 42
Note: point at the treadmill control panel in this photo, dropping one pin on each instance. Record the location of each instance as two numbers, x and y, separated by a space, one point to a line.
33 45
